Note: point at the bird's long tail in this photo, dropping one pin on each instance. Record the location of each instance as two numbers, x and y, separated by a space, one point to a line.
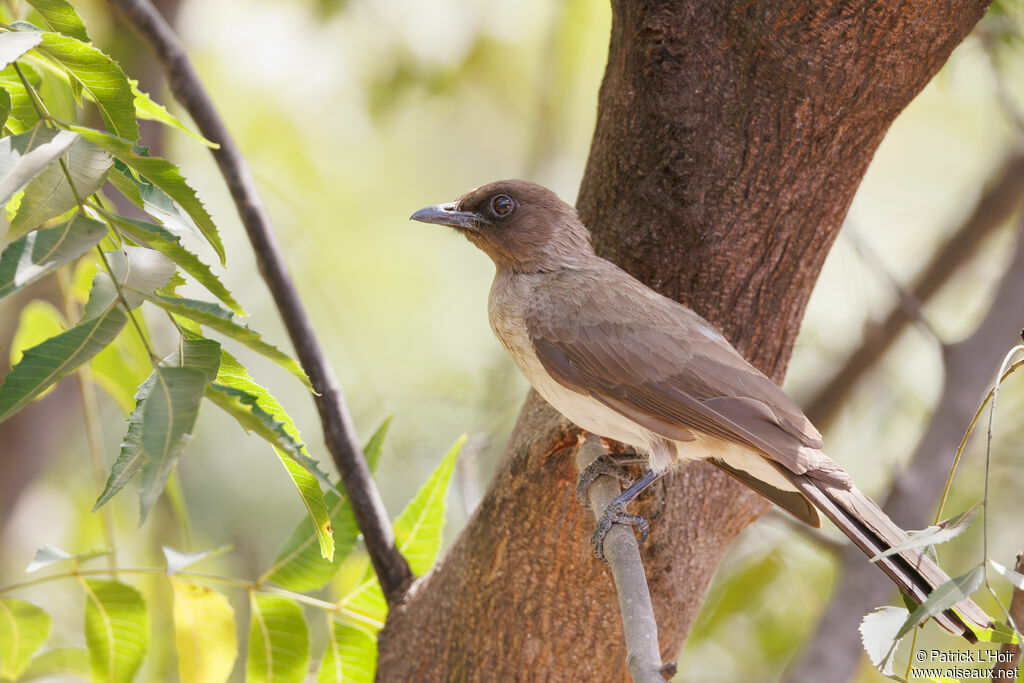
874 532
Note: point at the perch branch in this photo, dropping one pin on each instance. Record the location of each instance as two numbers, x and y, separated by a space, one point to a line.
639 628
339 433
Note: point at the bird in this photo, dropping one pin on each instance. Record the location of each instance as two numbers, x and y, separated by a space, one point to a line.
626 363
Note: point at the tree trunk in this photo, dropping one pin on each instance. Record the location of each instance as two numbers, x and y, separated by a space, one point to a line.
730 140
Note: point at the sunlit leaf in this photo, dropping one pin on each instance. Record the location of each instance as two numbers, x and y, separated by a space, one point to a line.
256 410
116 630
5 107
23 115
204 633
351 654
23 628
299 565
48 555
67 661
933 535
48 362
137 269
28 258
170 246
148 109
163 175
24 156
278 641
221 319
13 44
418 529
168 416
178 560
50 194
60 16
1016 578
878 634
100 76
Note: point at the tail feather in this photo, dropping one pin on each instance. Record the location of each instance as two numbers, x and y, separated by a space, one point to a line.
874 532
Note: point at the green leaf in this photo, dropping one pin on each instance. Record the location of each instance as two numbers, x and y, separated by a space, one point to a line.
163 175
204 633
136 269
30 257
50 194
418 529
299 565
69 661
177 560
148 109
1000 633
220 319
255 409
23 628
60 16
944 596
14 44
199 355
116 630
24 156
100 76
23 115
169 244
351 655
48 362
5 107
278 641
933 535
168 416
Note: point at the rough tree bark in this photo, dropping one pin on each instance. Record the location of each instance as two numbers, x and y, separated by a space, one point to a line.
731 137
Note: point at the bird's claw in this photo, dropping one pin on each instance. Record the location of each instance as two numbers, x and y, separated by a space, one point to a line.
616 513
606 464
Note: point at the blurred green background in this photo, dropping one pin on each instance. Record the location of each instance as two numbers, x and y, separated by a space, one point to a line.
355 113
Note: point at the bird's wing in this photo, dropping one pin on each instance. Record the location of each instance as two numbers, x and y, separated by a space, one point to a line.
663 366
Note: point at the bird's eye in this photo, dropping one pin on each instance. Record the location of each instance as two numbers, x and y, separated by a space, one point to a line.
502 205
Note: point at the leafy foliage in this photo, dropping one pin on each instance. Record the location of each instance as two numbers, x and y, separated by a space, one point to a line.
57 178
116 630
278 641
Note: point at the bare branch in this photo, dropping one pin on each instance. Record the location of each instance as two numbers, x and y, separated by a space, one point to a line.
997 204
339 433
833 653
639 628
1009 651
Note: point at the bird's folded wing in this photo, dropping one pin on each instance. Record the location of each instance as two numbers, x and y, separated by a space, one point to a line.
666 368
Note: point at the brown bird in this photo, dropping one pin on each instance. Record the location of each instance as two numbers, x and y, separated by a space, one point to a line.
626 363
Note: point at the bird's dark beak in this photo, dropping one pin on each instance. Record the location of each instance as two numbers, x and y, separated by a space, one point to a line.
448 214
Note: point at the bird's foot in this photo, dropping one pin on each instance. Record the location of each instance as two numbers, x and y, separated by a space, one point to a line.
610 464
616 513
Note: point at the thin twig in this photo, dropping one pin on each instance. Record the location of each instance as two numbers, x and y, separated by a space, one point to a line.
1000 200
906 300
1009 658
640 630
339 433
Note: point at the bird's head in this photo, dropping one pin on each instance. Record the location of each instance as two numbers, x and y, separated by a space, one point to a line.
522 226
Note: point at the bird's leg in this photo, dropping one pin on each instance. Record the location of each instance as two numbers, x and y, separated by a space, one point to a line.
611 464
615 513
